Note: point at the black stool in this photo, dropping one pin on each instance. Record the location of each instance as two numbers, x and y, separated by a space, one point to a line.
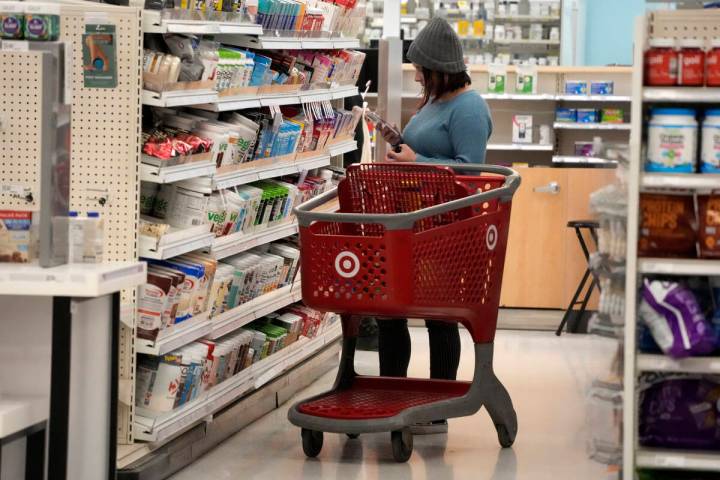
589 276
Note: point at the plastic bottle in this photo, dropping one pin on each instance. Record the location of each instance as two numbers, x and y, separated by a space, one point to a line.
672 140
691 62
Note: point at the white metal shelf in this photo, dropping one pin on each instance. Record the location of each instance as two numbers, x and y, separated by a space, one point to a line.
677 459
71 280
662 363
178 98
223 247
243 314
527 147
527 18
342 147
176 173
682 94
593 98
248 175
679 266
590 126
240 102
18 413
176 336
527 41
697 181
271 42
519 96
581 159
176 242
153 22
163 427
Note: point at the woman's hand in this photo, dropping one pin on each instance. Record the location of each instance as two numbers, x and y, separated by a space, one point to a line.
390 133
406 154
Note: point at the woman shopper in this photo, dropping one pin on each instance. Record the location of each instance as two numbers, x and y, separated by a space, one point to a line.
452 125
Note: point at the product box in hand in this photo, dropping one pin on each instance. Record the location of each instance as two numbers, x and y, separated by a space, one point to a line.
522 129
15 236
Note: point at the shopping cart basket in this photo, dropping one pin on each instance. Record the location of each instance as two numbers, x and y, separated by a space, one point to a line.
409 240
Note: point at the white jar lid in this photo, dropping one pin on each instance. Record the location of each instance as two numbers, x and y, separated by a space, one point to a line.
715 42
662 42
692 43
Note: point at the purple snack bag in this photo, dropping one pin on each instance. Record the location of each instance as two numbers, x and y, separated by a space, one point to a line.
679 411
675 319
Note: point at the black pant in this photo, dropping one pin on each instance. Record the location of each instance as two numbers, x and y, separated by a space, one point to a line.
394 348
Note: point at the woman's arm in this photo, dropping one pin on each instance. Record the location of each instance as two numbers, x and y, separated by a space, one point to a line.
469 129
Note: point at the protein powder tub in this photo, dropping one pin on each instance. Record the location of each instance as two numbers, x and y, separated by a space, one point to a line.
710 155
661 63
691 71
712 64
672 140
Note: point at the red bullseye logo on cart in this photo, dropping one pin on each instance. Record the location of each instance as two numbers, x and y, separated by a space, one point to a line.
491 237
347 264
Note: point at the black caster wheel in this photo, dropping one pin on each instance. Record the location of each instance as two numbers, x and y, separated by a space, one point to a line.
402 445
312 442
506 440
353 436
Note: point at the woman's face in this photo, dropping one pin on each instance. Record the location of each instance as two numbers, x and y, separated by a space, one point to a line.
419 78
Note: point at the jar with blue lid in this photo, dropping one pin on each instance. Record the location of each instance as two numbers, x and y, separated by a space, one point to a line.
710 154
672 140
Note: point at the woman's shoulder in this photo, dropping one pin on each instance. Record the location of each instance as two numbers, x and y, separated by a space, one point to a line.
471 102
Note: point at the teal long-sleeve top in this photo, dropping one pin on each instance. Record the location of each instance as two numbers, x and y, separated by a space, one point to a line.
452 131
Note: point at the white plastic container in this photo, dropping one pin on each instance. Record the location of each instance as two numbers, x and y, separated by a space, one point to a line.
85 238
710 156
672 140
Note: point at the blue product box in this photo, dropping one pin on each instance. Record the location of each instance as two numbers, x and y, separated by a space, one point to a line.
566 115
576 87
602 88
587 115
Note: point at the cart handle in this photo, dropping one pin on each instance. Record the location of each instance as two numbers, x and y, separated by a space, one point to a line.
403 221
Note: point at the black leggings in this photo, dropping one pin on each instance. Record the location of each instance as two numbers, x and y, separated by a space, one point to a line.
394 348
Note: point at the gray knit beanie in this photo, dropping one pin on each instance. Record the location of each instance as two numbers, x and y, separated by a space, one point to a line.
437 47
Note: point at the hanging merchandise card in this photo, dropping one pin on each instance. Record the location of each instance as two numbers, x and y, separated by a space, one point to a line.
99 56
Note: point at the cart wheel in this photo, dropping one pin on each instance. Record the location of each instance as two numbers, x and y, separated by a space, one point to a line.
402 445
353 436
506 440
312 442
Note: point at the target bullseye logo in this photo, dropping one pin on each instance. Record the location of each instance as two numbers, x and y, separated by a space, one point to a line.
347 264
491 237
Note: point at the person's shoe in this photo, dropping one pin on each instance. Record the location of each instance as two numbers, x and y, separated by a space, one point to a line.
430 428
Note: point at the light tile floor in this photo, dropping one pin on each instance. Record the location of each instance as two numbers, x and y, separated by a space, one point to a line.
547 377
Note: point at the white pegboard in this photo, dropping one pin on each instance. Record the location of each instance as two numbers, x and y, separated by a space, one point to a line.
20 128
699 23
106 156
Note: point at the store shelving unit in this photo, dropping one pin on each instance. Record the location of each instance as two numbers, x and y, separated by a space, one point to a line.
673 24
223 247
520 147
176 336
163 427
204 176
176 173
153 21
591 126
682 95
241 315
699 181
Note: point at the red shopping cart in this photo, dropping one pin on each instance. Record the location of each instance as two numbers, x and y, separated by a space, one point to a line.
409 240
